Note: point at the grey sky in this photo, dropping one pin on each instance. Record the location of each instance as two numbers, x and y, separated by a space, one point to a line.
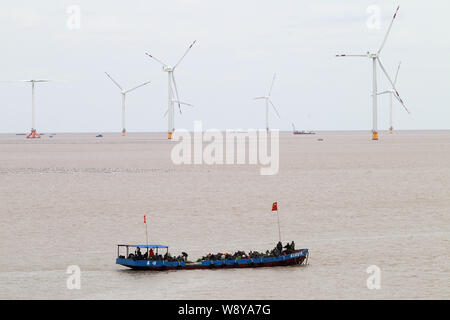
240 44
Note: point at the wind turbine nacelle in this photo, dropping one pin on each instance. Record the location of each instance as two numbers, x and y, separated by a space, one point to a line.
167 69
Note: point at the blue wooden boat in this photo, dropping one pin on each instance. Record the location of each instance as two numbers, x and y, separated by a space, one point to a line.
296 257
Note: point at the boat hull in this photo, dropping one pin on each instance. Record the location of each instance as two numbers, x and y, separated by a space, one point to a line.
298 257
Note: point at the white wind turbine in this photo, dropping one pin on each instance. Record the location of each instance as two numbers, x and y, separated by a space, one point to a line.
391 93
173 98
268 100
33 133
376 58
124 93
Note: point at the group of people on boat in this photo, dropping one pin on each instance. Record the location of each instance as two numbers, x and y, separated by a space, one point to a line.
279 250
275 252
150 255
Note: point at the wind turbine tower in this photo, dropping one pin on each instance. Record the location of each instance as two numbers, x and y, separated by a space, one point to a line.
267 102
391 93
33 132
376 59
124 93
172 85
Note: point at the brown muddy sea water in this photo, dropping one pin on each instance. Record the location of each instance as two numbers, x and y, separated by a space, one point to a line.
70 199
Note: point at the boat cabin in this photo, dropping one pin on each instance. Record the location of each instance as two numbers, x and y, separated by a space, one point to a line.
157 248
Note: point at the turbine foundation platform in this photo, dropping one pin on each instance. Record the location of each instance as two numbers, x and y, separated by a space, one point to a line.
33 134
124 132
169 135
374 135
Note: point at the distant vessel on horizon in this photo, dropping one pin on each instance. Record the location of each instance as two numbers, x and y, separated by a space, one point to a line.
300 132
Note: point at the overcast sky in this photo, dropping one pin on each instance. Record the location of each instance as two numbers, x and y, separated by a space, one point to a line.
240 44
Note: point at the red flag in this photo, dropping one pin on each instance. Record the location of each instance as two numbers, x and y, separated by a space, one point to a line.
145 221
275 207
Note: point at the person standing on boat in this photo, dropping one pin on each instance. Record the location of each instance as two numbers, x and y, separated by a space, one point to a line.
287 247
279 246
292 245
138 253
151 254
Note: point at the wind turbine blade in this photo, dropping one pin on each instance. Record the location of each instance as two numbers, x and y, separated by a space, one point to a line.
15 80
396 75
257 98
180 102
350 55
114 81
31 80
389 30
184 103
156 59
271 86
184 54
396 94
385 73
176 92
384 92
137 86
273 106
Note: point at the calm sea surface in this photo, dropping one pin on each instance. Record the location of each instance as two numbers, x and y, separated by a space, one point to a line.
68 200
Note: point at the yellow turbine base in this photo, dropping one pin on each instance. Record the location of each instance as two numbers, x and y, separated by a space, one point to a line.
390 130
374 135
169 135
124 133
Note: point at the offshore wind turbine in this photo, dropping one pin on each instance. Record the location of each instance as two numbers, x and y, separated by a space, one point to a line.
376 59
269 101
33 133
124 93
391 93
173 98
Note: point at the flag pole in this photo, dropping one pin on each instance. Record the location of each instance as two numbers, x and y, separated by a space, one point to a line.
279 230
275 208
146 232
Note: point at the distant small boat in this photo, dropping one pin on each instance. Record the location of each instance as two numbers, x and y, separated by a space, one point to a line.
99 136
301 132
296 257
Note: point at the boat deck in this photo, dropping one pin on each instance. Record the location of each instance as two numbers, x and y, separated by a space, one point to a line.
298 257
